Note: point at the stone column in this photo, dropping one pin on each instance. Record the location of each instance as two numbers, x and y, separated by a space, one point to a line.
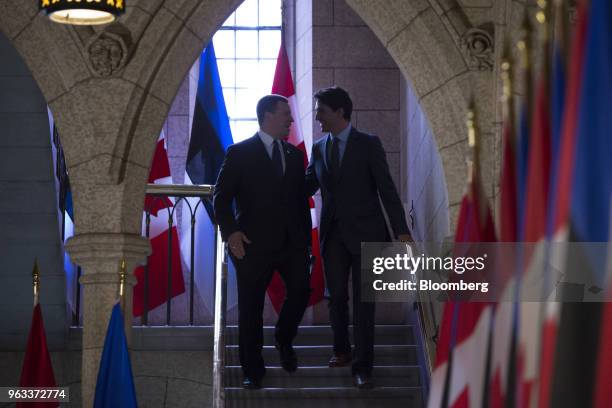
100 255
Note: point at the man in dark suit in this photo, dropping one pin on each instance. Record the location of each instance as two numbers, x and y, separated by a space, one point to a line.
350 168
268 230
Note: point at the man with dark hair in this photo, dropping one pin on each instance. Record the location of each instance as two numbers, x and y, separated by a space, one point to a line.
351 170
268 104
269 230
335 98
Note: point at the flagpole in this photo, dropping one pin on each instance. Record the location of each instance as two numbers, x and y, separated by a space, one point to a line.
543 16
283 25
507 99
36 281
560 25
522 45
473 161
122 280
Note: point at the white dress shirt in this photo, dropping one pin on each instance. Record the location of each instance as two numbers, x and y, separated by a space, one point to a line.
268 142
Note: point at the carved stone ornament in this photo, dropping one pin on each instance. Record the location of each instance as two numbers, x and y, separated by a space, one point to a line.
109 50
477 43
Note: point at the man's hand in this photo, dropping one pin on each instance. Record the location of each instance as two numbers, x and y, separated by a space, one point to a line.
236 243
405 238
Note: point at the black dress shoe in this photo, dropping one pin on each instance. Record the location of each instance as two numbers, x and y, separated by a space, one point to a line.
362 381
249 383
340 360
288 358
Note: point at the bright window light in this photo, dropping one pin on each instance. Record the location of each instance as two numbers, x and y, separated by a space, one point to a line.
246 47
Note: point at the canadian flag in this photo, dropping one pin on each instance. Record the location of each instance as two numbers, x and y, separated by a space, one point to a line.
283 85
459 375
164 242
503 328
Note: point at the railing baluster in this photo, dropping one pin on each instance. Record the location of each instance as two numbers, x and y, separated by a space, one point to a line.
169 288
202 192
145 312
192 265
220 312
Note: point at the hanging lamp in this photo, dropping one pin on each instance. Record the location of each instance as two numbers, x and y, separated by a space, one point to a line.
82 12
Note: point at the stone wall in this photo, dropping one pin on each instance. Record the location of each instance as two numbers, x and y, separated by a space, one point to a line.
334 46
432 42
345 52
162 378
29 227
426 193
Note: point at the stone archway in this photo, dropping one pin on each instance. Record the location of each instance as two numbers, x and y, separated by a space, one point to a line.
110 90
109 116
448 62
429 40
109 109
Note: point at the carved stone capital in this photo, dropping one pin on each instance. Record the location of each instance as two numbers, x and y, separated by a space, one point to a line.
101 253
477 44
108 51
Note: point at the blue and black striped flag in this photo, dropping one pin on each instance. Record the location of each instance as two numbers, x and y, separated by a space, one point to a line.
210 137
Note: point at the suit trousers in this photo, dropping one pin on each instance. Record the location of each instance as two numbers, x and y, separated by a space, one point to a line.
254 273
339 261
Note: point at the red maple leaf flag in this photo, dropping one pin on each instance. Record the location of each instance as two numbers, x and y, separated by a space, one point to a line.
508 229
459 375
283 85
164 243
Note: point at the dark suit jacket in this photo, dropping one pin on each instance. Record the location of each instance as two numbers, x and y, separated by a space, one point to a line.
352 196
268 208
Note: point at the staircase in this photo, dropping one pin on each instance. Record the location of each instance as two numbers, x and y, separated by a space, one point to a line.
396 376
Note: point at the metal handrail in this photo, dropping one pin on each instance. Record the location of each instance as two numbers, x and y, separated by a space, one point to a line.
221 268
203 192
180 190
218 391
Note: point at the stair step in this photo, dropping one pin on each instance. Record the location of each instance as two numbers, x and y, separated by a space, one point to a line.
313 377
336 397
315 335
318 356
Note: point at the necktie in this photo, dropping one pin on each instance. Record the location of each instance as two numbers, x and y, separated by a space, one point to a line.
276 158
334 157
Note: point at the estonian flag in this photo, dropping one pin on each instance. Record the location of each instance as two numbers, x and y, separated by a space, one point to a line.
210 137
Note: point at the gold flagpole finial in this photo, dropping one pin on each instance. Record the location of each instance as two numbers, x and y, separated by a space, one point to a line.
471 118
36 281
506 73
506 76
541 14
524 42
122 279
472 161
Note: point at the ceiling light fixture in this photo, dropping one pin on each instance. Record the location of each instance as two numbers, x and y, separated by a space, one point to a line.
82 12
